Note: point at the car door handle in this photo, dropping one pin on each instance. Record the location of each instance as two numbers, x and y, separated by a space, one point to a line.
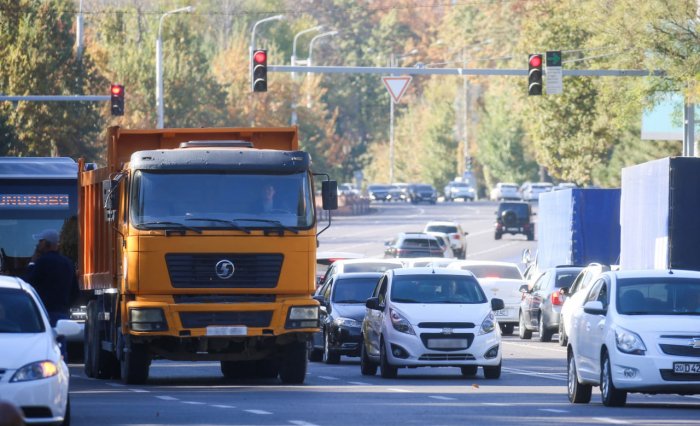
588 326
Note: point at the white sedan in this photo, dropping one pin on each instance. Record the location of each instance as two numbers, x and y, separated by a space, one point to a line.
638 331
33 375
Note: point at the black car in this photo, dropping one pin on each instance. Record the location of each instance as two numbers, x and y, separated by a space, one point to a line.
418 192
341 315
540 307
514 218
377 192
413 244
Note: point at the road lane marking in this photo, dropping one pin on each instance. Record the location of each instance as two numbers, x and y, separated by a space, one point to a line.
553 410
496 404
552 376
194 403
398 390
328 378
166 398
611 421
301 423
222 406
360 383
262 412
116 385
140 390
442 398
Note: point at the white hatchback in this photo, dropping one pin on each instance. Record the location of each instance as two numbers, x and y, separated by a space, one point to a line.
33 375
638 331
425 317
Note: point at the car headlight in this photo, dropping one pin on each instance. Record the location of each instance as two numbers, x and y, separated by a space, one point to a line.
488 324
35 371
347 322
629 342
400 323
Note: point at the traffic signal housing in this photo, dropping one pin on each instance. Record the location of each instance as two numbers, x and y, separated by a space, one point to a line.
259 78
117 101
534 74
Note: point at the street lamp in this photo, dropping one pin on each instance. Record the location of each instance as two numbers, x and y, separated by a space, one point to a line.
251 48
159 64
311 45
294 43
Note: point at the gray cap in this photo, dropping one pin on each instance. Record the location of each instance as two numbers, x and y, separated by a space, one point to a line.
50 235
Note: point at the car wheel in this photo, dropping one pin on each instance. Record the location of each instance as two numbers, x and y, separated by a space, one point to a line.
492 371
329 356
388 371
507 329
612 397
314 355
293 363
367 367
497 236
578 393
544 332
523 332
563 339
469 370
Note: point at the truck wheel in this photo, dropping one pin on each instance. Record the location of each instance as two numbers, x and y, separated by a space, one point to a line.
267 368
523 332
293 363
99 363
135 362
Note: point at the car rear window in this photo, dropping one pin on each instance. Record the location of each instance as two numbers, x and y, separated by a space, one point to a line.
436 289
370 267
494 271
565 278
445 229
19 313
353 290
419 243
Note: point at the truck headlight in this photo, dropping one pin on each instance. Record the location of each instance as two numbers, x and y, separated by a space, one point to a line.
629 342
35 371
302 317
147 319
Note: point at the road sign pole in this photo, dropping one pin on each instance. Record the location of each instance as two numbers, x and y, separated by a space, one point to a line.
391 141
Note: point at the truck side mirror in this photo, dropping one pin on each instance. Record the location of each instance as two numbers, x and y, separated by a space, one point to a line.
329 194
109 197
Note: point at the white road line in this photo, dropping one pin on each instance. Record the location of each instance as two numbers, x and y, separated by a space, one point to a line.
166 398
140 390
442 398
495 404
561 377
258 411
398 390
611 421
360 383
116 385
222 406
328 378
301 423
194 403
553 410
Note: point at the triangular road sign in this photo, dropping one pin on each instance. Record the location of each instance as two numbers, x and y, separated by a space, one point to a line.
396 86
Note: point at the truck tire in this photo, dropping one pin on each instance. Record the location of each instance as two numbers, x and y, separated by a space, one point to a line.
135 362
293 363
267 368
99 363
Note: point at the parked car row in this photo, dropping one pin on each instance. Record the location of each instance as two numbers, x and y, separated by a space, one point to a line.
528 191
413 193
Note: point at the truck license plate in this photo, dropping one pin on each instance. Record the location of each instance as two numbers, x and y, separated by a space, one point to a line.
686 367
239 330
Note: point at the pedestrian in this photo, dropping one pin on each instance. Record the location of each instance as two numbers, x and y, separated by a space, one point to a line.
53 277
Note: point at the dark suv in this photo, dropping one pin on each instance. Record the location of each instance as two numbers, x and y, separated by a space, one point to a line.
514 218
413 244
418 192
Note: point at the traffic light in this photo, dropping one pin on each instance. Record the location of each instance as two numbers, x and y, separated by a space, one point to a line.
259 79
117 103
534 75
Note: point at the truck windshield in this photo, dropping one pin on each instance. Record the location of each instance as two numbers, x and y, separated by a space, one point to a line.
222 200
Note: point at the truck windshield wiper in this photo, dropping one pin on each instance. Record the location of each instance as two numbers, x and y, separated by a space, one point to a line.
274 222
232 223
172 224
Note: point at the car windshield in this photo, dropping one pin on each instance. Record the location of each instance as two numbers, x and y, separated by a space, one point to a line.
494 271
353 290
565 277
522 210
19 313
658 296
436 289
222 200
445 229
370 267
424 188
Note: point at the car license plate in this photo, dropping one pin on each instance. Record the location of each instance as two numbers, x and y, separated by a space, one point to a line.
447 343
686 367
501 313
513 229
239 330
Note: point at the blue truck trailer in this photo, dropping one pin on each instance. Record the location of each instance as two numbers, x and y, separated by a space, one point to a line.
578 226
660 214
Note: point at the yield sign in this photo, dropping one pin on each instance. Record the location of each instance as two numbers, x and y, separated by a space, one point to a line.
396 86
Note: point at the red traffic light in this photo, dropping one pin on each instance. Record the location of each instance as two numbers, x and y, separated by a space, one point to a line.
536 61
117 89
260 57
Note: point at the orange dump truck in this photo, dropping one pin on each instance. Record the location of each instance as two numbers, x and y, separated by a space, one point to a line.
186 255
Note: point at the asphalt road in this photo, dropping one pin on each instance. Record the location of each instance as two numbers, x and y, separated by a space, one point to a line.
531 390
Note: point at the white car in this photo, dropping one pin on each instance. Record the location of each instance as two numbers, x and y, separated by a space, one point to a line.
424 317
638 331
33 375
445 243
498 279
530 191
458 238
574 297
357 265
504 191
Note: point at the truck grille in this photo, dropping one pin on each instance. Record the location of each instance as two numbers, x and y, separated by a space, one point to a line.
204 319
224 298
200 270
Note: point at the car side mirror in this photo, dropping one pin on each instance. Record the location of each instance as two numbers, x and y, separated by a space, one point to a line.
524 288
373 303
497 304
595 307
68 328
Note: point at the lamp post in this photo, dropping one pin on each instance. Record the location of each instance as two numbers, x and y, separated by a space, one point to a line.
294 44
251 48
311 45
393 60
159 64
